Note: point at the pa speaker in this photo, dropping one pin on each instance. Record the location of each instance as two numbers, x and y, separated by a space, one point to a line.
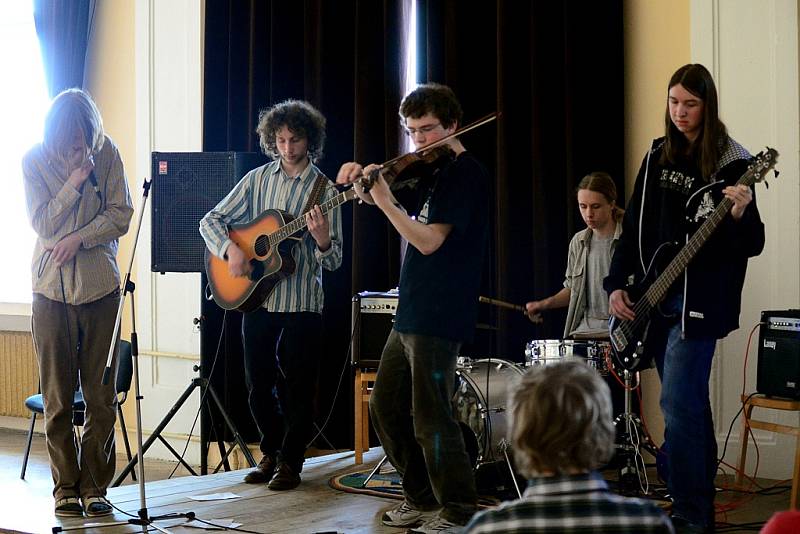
373 317
779 354
186 185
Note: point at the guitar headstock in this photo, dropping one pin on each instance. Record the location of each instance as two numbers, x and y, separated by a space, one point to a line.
761 164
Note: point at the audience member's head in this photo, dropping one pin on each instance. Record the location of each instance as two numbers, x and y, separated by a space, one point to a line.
561 420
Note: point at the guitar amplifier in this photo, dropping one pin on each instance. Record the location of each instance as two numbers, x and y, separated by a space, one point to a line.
779 354
373 317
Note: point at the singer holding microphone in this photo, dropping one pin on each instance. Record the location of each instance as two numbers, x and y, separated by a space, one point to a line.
78 205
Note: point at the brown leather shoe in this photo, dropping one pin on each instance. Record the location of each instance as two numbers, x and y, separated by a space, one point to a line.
284 479
262 473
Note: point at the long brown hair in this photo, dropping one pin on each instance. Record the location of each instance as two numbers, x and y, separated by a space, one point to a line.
601 182
710 142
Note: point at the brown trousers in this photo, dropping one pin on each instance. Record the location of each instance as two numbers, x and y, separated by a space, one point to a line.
72 345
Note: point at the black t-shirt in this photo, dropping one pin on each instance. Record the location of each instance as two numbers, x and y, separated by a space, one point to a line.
439 292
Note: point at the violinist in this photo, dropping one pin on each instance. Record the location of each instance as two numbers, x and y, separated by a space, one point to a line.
439 283
281 338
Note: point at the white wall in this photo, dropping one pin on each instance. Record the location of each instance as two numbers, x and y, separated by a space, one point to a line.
169 83
751 49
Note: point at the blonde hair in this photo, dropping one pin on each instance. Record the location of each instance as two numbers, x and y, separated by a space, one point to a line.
560 419
72 110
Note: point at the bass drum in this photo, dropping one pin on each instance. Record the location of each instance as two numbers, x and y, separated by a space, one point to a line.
479 405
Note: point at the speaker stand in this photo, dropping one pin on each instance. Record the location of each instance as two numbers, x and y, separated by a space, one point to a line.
205 389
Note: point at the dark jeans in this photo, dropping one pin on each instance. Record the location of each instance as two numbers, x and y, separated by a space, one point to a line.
281 359
411 410
684 366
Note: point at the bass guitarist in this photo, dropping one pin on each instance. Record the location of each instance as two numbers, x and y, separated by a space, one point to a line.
281 353
683 177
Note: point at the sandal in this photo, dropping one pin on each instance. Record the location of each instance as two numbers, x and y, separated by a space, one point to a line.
97 506
68 507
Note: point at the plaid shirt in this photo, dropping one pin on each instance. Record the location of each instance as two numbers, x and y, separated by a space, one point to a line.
268 187
577 503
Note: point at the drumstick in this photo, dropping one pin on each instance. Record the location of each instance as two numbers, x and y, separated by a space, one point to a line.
536 318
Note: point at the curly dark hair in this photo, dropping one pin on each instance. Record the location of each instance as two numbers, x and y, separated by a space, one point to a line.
301 118
434 98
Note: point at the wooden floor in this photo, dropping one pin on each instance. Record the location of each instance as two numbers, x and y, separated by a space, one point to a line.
27 506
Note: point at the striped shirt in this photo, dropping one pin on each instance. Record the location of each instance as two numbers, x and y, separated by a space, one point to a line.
268 187
574 504
56 209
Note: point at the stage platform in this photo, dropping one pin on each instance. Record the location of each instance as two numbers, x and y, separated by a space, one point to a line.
314 507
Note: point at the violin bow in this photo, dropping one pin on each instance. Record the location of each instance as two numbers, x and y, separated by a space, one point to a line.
471 126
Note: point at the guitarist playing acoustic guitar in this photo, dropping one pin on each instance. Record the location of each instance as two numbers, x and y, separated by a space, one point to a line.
272 205
691 174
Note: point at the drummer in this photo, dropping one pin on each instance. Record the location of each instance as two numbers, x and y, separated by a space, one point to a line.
588 262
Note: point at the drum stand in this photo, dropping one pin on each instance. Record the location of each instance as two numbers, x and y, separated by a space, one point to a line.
630 442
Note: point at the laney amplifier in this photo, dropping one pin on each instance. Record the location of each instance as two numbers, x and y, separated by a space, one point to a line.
779 354
373 317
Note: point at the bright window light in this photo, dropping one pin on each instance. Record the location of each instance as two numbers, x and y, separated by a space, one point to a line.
23 104
411 60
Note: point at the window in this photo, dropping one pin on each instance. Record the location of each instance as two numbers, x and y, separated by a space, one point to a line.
411 82
23 104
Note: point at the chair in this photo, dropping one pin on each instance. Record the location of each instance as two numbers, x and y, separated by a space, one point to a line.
364 379
762 401
35 403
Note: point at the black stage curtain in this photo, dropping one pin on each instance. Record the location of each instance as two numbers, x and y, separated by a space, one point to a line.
554 70
345 58
63 29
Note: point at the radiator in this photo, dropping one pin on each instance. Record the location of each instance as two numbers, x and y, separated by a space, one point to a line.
19 373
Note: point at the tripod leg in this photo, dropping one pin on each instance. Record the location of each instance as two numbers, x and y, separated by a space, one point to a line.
157 433
232 427
176 455
374 471
511 469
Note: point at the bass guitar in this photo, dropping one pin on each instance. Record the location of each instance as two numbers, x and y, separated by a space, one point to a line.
628 337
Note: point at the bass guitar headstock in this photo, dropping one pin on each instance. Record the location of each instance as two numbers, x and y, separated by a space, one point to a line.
761 164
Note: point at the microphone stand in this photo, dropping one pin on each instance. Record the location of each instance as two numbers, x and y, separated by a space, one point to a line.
143 519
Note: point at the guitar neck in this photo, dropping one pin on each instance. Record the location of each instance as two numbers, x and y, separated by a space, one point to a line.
658 290
299 223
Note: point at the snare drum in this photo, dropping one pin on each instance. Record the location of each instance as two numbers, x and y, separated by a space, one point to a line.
548 351
479 405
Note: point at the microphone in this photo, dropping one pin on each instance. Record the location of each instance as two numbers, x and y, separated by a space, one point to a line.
93 180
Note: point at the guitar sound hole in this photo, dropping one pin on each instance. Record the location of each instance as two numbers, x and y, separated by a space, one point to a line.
261 245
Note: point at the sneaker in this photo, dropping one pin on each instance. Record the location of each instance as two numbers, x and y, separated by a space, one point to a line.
262 473
97 506
68 507
436 525
403 515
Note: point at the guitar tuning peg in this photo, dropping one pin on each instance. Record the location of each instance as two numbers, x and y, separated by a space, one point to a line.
766 184
776 171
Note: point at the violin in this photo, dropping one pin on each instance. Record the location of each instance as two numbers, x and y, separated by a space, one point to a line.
435 153
408 167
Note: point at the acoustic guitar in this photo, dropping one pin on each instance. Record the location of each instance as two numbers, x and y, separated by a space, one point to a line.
628 337
267 243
